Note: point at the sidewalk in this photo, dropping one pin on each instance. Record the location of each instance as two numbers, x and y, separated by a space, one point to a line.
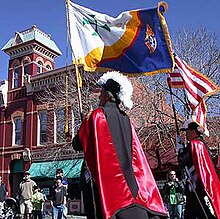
49 216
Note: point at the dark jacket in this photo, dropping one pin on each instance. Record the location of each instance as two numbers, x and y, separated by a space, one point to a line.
179 188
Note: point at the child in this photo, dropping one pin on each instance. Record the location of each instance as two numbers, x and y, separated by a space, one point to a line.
37 200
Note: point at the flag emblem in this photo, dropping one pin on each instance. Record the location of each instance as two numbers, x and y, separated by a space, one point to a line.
150 39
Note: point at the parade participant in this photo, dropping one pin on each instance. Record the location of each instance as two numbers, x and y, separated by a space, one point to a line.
173 195
115 157
202 192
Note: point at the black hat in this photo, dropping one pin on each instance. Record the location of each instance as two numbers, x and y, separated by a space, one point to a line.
189 124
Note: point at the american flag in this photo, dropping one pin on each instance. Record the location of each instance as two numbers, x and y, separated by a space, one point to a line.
197 86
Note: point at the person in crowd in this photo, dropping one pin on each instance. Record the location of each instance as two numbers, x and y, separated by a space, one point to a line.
44 206
202 190
119 169
173 193
59 172
26 190
3 196
58 202
37 201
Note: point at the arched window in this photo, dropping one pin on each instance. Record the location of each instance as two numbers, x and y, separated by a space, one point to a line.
48 68
16 76
39 67
26 68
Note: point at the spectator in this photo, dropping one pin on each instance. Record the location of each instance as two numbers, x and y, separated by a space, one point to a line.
122 176
37 201
58 199
173 195
202 190
44 207
3 195
59 172
26 191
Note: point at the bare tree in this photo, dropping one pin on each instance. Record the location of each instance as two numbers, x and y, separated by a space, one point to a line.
152 114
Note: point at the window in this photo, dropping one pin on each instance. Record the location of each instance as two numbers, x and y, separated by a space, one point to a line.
26 68
39 67
43 127
48 68
17 131
60 125
16 77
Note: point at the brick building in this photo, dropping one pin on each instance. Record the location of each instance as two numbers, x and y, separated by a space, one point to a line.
29 138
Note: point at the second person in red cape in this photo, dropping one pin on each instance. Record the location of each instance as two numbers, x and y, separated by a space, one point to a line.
203 185
115 158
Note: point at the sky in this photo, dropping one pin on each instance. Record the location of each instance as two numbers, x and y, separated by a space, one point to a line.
50 17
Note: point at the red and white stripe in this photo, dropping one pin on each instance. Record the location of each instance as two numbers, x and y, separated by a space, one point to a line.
199 116
175 79
197 86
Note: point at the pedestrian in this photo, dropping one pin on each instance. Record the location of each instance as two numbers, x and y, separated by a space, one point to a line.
26 191
59 172
3 196
44 207
202 191
58 199
173 193
115 158
38 202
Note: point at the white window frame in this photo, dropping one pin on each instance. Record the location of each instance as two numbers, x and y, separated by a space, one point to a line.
16 79
39 127
15 131
26 65
39 67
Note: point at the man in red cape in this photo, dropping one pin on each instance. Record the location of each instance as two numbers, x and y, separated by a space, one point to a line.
115 158
203 193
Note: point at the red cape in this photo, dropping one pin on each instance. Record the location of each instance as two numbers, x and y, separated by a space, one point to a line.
101 157
207 173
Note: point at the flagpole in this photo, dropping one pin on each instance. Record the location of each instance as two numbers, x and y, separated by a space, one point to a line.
79 85
178 133
173 107
74 62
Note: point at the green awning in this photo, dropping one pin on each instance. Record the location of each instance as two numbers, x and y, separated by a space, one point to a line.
71 168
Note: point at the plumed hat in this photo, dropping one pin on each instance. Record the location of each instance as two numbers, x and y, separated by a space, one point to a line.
119 85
